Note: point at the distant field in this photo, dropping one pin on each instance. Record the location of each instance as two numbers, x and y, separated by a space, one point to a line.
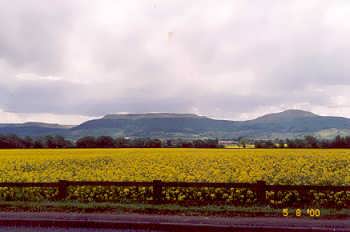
276 166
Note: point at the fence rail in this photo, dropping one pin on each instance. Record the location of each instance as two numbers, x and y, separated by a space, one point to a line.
260 187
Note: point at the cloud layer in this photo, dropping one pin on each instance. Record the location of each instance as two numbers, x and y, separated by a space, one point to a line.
229 59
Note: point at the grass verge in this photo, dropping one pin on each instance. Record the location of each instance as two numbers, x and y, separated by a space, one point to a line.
167 209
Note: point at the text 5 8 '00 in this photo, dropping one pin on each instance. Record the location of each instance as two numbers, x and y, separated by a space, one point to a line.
301 212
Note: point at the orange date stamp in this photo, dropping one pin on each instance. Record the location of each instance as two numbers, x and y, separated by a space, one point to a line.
301 212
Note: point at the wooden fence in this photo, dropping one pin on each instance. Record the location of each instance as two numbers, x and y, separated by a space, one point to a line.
260 187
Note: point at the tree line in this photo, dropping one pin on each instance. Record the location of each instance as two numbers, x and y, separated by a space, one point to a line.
57 141
306 142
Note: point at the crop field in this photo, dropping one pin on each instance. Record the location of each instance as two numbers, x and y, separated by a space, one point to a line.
275 166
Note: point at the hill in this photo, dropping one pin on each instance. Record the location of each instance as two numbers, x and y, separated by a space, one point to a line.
286 124
289 123
297 123
34 129
154 125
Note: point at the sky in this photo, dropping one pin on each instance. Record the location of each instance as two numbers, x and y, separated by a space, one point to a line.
69 61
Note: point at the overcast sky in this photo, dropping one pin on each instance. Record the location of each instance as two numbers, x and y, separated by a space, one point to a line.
68 61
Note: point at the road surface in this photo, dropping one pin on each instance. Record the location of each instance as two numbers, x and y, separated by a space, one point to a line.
140 222
50 229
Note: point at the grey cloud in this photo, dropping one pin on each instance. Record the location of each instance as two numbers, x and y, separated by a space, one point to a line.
39 97
223 58
33 34
137 105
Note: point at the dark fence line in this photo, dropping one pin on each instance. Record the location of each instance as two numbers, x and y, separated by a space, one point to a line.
260 187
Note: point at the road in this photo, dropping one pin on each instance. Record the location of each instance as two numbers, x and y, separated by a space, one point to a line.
51 229
140 222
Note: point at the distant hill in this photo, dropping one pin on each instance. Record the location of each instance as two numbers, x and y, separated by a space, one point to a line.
34 129
286 124
154 125
149 115
285 116
297 123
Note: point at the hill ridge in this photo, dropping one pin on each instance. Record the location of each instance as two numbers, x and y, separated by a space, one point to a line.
285 124
149 115
287 114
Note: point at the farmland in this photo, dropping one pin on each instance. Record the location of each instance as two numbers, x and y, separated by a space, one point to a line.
275 166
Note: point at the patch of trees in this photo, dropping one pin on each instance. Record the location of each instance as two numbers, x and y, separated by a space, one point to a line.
197 143
13 141
306 142
109 142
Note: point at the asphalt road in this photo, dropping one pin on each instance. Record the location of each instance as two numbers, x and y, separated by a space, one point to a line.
51 229
139 222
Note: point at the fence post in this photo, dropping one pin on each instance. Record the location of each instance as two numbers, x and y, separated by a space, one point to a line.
261 192
157 191
62 189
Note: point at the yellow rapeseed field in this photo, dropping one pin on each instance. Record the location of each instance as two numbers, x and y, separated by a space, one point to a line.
284 166
275 166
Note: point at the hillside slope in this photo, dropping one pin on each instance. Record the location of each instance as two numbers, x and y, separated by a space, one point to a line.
286 124
290 123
